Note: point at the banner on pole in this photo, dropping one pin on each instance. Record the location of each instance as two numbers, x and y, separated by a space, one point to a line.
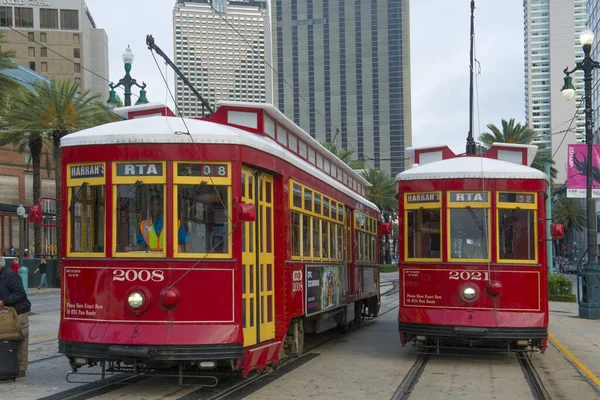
577 171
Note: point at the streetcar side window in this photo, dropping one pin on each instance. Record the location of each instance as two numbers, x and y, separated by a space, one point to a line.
202 212
517 228
469 228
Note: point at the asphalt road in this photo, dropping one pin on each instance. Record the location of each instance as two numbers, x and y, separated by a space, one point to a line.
44 303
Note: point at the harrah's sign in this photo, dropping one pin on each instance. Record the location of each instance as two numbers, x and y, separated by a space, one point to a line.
26 3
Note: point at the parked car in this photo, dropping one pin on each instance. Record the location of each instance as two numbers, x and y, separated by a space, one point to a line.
570 267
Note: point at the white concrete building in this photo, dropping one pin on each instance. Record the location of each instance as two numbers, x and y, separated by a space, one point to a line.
222 47
552 30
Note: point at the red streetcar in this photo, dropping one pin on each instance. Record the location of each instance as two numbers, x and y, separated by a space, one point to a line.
209 244
473 269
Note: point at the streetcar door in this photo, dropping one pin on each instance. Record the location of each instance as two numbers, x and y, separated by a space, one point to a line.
258 295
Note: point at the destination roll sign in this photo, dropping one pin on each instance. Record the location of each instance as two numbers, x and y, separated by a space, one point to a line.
469 197
423 198
139 169
87 171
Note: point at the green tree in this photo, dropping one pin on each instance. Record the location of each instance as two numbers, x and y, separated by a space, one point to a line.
518 134
572 215
345 155
56 110
8 86
382 192
16 129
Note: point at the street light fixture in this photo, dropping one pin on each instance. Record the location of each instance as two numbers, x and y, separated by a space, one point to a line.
589 307
127 82
21 214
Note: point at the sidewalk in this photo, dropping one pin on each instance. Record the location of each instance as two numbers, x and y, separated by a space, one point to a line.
579 336
34 291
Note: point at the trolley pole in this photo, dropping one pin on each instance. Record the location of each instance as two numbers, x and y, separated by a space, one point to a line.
589 306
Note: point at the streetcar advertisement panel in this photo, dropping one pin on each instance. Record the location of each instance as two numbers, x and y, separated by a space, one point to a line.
325 287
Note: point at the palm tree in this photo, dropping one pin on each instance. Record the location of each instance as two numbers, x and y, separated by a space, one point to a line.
15 128
383 193
572 215
518 134
345 155
8 86
55 110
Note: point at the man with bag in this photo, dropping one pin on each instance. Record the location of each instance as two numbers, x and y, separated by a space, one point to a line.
12 294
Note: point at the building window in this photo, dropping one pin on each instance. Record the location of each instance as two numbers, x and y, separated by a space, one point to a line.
69 19
76 38
6 16
32 65
31 52
31 36
23 17
77 68
44 52
48 18
43 37
44 67
76 53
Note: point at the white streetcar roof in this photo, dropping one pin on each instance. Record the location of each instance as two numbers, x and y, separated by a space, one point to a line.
159 129
471 168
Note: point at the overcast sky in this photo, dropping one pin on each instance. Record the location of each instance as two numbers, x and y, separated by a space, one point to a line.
439 46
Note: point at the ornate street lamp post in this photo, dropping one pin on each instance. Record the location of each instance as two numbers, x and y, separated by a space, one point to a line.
127 82
589 307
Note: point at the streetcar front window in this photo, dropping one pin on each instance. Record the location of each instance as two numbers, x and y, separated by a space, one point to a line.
87 208
516 234
140 218
424 239
203 215
469 233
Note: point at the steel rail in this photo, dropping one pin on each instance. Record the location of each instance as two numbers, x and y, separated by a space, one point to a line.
538 390
412 377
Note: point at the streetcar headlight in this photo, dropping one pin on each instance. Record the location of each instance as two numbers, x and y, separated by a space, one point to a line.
469 293
136 300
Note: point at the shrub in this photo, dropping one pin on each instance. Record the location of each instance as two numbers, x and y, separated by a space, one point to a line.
570 298
559 285
388 268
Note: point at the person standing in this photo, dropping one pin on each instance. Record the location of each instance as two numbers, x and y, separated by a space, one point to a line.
12 251
42 270
12 294
15 266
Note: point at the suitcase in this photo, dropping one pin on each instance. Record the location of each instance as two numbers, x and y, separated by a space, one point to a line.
9 362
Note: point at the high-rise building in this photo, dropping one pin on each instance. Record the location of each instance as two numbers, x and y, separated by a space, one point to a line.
552 30
593 23
222 47
57 38
343 74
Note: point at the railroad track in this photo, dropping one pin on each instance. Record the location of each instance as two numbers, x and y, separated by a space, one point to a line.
226 390
534 381
410 381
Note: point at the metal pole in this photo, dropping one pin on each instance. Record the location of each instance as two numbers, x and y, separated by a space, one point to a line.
549 244
470 142
20 239
591 275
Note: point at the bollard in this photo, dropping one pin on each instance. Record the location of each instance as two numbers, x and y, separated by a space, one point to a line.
23 272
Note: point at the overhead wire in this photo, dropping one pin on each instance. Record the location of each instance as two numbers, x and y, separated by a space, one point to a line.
45 45
282 78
